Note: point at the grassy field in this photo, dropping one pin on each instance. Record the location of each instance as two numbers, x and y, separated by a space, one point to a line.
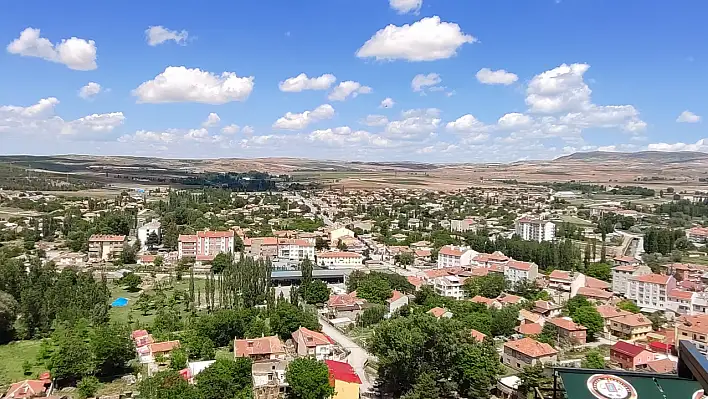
124 313
13 355
575 220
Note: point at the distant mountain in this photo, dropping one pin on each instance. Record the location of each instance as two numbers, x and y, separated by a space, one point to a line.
642 156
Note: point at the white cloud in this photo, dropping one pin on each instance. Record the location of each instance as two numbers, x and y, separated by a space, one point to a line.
75 53
145 136
90 90
302 82
40 118
180 84
700 145
344 136
375 120
426 40
211 120
415 124
420 81
406 6
499 77
159 34
347 89
248 130
559 89
387 103
688 117
514 120
230 129
466 124
292 121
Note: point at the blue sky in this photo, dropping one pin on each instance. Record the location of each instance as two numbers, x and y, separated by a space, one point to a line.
500 80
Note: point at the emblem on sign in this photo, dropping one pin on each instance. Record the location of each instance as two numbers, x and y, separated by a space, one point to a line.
606 386
698 394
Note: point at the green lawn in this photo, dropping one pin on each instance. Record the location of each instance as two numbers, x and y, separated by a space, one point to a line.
13 355
123 313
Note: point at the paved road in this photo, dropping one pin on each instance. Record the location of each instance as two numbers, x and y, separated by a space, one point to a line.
357 356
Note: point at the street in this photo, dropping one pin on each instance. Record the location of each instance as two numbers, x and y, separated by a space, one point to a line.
357 357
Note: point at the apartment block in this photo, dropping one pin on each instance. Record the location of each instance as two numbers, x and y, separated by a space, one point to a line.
105 247
535 229
650 291
454 256
205 245
622 273
296 249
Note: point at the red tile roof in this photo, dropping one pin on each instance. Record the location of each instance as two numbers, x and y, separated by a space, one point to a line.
594 293
653 278
560 275
566 324
680 294
139 333
451 251
338 255
395 295
26 389
519 265
482 300
188 238
664 366
341 371
609 311
626 268
162 347
628 349
592 282
697 323
311 338
343 300
437 312
509 299
626 259
445 271
258 346
532 348
530 329
478 336
106 238
215 234
416 281
633 320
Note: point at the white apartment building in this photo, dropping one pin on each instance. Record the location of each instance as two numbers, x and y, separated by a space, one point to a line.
454 256
535 229
449 286
296 249
622 274
337 234
464 225
334 260
517 271
651 290
205 245
104 247
146 230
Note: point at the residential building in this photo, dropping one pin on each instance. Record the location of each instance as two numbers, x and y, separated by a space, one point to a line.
205 245
490 260
567 281
595 294
687 271
569 331
697 235
529 329
547 308
104 247
439 312
622 273
396 301
527 352
146 230
269 378
296 249
516 271
681 301
630 327
694 329
264 348
261 247
650 291
162 349
626 261
463 225
535 229
344 379
450 286
339 259
313 343
629 356
455 256
338 234
27 389
478 336
609 313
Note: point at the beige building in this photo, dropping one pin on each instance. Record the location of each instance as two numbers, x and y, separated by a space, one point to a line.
105 247
622 273
313 343
527 352
694 329
630 327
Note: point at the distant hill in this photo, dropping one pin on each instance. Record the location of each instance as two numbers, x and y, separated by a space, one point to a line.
642 156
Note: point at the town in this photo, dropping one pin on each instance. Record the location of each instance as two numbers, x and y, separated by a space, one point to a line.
474 293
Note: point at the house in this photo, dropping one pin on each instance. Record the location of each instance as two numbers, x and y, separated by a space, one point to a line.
103 247
396 301
264 348
509 299
566 281
194 368
485 301
569 331
626 261
261 247
650 291
141 338
450 286
622 273
296 249
663 366
28 389
697 235
439 312
535 229
313 343
694 329
340 259
338 234
345 305
146 260
269 378
489 260
595 294
478 336
146 230
608 313
547 308
528 317
463 225
630 327
163 349
529 329
681 301
417 282
344 379
516 271
629 356
205 245
527 352
455 256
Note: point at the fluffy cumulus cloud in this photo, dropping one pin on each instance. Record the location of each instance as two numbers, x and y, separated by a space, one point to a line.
90 91
181 84
700 145
145 136
421 81
406 6
688 117
499 77
159 34
346 136
415 124
293 121
301 82
348 89
75 53
387 103
231 129
375 120
429 39
211 120
40 118
514 120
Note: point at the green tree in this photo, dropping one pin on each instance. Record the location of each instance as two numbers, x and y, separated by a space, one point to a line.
576 303
321 244
589 317
315 292
8 315
159 260
178 359
593 360
144 303
628 305
374 289
152 240
600 271
111 347
226 378
504 320
221 262
425 388
549 334
131 281
308 379
532 377
341 245
88 386
127 257
72 359
657 320
306 270
405 258
372 315
489 286
167 384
